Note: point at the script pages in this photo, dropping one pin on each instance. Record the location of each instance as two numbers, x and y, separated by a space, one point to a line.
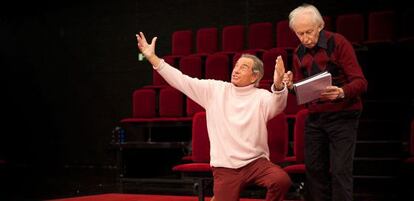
310 89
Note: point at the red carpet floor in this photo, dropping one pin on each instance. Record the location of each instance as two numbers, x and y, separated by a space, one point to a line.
136 197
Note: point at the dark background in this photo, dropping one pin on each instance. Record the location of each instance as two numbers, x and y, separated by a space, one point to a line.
68 69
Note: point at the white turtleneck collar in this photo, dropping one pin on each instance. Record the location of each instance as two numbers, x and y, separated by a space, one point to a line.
242 91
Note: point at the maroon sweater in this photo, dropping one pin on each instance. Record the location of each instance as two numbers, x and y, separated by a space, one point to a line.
338 57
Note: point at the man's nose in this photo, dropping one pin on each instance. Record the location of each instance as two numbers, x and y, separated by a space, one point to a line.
305 38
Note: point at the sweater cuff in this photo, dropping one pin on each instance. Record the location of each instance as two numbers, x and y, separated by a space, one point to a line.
272 88
160 65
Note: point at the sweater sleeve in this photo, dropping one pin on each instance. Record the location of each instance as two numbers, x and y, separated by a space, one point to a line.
357 84
197 90
274 103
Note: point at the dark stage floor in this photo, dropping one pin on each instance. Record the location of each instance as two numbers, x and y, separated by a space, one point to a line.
42 183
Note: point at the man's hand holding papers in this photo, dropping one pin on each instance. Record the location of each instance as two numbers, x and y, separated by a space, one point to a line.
314 87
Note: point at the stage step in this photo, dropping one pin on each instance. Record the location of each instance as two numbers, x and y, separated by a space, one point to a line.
379 148
370 129
376 166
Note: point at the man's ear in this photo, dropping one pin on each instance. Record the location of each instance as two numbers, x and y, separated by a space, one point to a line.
320 27
255 77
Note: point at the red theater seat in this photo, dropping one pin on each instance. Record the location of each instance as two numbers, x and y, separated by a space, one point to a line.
192 107
207 40
182 43
278 138
297 165
232 38
381 26
351 26
260 37
217 67
285 37
292 106
269 61
191 66
143 103
199 168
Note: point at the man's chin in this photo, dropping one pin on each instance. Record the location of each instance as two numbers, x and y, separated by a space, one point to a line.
309 46
234 83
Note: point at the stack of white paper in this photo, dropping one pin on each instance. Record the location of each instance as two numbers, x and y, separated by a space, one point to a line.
311 88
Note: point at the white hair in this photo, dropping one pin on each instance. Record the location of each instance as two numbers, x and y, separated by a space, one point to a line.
306 9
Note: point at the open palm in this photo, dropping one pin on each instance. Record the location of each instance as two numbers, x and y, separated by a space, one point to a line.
279 71
147 49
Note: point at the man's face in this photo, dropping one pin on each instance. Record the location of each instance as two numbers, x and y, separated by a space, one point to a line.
242 74
306 30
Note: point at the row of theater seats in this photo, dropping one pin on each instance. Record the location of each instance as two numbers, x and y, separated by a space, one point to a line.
199 168
166 104
374 36
218 66
209 63
161 105
357 27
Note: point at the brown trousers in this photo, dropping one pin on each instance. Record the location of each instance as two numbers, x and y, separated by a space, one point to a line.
228 183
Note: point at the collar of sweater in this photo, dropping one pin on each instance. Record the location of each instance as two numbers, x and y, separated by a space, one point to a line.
242 91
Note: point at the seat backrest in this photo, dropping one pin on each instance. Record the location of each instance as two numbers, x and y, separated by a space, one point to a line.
278 137
156 77
285 37
232 38
217 67
260 35
292 107
236 57
299 134
328 23
191 66
381 26
182 42
351 26
192 107
264 85
207 40
269 61
171 102
143 103
200 140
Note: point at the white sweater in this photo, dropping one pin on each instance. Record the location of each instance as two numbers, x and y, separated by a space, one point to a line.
236 116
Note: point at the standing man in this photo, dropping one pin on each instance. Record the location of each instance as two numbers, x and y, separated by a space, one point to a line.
237 114
331 127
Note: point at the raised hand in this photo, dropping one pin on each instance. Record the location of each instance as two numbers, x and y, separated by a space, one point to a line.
279 73
148 49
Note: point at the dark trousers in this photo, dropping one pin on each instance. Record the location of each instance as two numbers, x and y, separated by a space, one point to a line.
228 183
330 140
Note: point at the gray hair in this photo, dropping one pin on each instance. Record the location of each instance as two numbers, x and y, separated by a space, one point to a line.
257 67
309 10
